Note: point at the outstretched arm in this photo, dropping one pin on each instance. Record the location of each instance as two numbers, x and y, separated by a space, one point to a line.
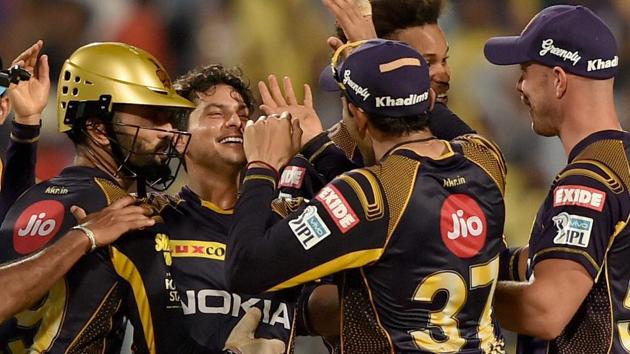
27 280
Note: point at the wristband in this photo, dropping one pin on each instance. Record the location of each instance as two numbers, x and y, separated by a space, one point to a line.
276 172
90 235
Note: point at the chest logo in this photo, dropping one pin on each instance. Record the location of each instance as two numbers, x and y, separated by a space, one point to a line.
163 244
463 225
37 225
573 230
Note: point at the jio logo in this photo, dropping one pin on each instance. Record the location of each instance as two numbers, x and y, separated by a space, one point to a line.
37 225
462 225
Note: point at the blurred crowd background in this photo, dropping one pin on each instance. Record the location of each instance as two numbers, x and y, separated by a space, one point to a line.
287 37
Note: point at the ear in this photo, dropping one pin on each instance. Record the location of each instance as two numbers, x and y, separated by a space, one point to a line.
360 119
432 97
95 128
560 82
5 108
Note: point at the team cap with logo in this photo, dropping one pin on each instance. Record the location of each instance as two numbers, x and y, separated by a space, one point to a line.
571 37
382 77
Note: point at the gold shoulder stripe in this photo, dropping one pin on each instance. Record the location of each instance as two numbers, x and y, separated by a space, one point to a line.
397 175
486 155
112 191
284 206
128 271
347 261
373 210
610 153
613 183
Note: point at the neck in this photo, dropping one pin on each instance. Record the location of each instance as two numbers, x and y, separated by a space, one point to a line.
425 147
98 158
590 112
218 186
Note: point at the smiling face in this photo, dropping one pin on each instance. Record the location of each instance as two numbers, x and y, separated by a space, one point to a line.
217 127
431 42
537 91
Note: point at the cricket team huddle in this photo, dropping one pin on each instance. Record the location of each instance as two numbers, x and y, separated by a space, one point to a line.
381 234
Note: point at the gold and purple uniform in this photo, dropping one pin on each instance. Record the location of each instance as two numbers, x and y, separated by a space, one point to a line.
584 219
416 241
199 232
82 313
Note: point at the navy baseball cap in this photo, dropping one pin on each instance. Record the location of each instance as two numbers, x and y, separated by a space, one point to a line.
382 77
571 37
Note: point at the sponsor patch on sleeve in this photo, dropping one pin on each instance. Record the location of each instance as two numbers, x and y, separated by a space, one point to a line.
338 208
309 228
572 230
579 196
292 177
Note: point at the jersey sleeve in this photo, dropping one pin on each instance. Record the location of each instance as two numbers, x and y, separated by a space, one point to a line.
319 163
344 226
19 171
579 221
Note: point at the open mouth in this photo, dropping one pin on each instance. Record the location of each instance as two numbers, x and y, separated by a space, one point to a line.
231 140
442 98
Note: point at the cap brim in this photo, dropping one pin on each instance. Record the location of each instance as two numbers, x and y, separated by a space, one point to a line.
327 81
505 50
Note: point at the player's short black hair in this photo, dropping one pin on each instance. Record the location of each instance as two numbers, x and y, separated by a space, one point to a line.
201 79
396 126
391 16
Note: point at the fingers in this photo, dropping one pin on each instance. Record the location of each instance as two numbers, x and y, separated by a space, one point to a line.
308 96
247 325
28 58
43 70
78 213
122 202
296 133
276 93
265 95
334 43
288 90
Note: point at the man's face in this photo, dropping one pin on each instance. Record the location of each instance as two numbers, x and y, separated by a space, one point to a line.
430 41
217 127
536 88
148 146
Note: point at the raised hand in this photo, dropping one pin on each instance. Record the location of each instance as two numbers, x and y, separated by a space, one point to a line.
355 19
118 218
273 140
276 103
29 98
242 339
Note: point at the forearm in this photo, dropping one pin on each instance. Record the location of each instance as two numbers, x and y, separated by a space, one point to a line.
19 170
516 311
27 280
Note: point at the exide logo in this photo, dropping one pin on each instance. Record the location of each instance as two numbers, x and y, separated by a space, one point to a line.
462 225
37 225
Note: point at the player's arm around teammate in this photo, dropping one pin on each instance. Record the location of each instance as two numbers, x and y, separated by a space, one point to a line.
26 280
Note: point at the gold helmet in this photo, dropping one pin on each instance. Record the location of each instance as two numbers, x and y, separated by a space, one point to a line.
98 75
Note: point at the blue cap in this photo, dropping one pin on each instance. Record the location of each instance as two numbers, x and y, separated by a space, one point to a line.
571 37
382 77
